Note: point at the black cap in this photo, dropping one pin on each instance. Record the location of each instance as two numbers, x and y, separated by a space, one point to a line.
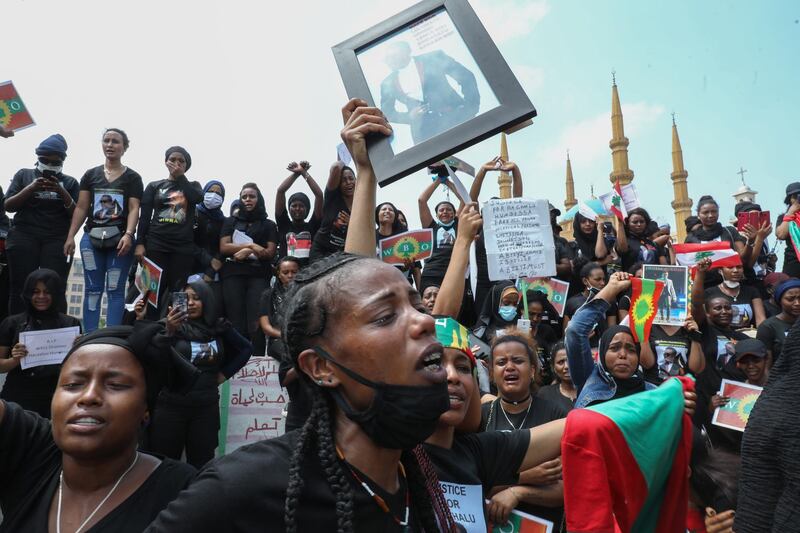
750 347
558 211
792 189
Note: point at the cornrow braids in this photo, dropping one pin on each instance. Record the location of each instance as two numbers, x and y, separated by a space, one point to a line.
295 482
426 492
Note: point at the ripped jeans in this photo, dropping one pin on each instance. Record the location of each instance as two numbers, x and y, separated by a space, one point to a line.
103 270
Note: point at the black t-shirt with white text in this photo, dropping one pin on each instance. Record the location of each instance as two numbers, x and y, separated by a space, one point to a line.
166 223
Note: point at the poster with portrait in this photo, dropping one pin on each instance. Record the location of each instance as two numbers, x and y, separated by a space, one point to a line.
107 205
425 80
439 79
671 359
673 305
204 353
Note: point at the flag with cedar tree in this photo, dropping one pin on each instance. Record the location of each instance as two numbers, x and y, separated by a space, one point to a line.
644 304
617 203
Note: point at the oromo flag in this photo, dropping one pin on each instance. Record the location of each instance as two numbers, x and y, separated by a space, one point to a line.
625 463
720 253
644 304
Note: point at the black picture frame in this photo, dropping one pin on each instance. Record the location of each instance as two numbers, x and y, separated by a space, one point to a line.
514 105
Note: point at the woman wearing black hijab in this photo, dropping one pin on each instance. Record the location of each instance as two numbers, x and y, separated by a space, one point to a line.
33 388
82 472
589 243
634 244
616 374
190 421
500 311
166 226
246 272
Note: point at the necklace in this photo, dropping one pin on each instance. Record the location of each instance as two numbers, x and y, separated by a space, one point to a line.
61 483
108 172
522 424
519 402
378 500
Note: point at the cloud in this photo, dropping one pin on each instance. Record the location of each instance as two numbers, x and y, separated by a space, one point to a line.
508 19
531 78
587 140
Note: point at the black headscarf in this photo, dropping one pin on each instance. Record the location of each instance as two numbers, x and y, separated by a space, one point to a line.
257 214
181 150
207 326
52 281
584 242
163 366
490 315
625 387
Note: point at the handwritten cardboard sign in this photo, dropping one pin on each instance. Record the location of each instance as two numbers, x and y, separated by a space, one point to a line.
251 405
519 239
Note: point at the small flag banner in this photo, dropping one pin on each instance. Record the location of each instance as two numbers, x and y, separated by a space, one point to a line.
409 246
148 280
555 289
794 234
736 412
519 522
13 113
720 253
644 303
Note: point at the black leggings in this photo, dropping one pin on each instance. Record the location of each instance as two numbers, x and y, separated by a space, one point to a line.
25 254
242 295
177 427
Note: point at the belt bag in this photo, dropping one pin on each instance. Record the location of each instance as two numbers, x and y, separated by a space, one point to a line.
105 238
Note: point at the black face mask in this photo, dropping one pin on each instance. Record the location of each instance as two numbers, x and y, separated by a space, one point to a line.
400 416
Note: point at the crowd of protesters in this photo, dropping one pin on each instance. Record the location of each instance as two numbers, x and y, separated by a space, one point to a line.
403 380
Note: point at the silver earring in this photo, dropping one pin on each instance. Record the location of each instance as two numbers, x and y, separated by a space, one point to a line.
319 382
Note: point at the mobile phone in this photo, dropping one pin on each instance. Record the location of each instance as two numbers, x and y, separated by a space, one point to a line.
180 301
49 174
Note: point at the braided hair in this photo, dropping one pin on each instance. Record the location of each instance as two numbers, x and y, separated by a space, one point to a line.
311 300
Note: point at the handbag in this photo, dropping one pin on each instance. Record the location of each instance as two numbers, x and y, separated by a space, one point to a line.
104 238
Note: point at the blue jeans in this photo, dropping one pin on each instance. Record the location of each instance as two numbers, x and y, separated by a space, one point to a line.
103 270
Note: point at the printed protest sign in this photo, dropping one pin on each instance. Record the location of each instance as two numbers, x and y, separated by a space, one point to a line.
519 522
409 246
519 239
13 113
148 280
47 346
555 289
673 304
251 405
736 412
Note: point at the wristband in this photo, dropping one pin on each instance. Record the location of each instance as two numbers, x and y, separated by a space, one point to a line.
787 218
131 235
695 336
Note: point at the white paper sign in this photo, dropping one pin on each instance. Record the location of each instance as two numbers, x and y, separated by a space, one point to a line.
466 505
519 239
47 346
240 237
630 196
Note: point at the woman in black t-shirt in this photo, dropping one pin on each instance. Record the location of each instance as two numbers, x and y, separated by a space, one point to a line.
42 199
248 241
190 422
295 234
270 310
589 242
387 225
166 226
746 301
336 206
774 330
634 244
563 391
83 471
109 196
33 388
672 351
444 226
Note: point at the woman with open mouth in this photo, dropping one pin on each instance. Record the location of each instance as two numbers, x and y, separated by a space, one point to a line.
82 472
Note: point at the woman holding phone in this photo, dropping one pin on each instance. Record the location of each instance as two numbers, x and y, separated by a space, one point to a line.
42 199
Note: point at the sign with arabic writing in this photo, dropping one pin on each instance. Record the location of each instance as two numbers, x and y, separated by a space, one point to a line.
251 405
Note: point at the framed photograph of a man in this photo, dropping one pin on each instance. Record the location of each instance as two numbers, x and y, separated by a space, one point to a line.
441 82
673 306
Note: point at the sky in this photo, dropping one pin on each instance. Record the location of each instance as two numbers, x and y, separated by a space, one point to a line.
249 86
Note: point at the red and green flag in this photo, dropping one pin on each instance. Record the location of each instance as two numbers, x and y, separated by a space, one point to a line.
625 463
644 304
794 234
13 113
409 246
736 413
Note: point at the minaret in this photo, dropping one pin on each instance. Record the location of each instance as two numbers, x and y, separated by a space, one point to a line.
570 202
619 143
504 180
682 204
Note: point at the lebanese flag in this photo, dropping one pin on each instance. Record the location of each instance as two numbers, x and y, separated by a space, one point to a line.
625 463
720 253
617 203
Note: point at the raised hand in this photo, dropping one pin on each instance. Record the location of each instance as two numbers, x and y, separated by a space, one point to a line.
361 120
